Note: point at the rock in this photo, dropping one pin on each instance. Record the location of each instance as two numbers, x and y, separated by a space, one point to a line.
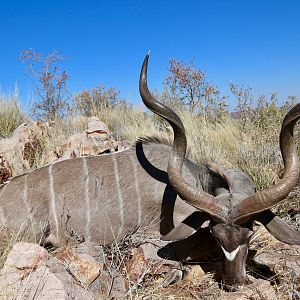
23 133
26 256
96 128
93 249
193 272
80 144
137 266
123 145
110 285
30 272
5 172
275 257
145 261
96 140
149 251
259 289
83 266
279 263
19 150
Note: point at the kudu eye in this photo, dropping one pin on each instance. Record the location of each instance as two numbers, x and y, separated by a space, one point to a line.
246 234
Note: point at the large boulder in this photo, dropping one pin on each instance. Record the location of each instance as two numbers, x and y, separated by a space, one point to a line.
30 272
17 152
95 140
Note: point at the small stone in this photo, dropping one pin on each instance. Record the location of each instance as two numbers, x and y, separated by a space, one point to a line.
83 266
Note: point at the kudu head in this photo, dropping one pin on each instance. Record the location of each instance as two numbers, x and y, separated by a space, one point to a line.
231 214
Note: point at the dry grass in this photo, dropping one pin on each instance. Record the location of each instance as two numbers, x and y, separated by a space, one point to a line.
10 113
253 151
26 232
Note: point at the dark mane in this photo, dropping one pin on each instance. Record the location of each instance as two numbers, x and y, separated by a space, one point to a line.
155 139
220 172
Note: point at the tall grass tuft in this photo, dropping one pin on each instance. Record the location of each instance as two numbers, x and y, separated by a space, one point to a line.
10 113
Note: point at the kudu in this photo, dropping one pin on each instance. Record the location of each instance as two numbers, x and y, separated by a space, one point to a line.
101 199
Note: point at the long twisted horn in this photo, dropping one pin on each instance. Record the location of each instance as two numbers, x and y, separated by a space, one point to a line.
274 194
191 194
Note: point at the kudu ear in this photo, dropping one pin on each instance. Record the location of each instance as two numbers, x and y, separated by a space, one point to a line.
187 227
278 228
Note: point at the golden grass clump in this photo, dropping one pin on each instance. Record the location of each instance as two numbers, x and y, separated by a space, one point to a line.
10 113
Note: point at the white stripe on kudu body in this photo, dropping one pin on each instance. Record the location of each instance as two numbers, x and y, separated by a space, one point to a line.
120 197
231 255
24 195
2 217
52 197
137 190
87 198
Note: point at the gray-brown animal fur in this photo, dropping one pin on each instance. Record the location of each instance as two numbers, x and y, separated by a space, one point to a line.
101 199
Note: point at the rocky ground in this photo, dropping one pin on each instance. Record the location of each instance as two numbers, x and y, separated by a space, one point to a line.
133 270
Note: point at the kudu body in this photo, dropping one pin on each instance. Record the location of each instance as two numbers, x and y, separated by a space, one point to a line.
101 199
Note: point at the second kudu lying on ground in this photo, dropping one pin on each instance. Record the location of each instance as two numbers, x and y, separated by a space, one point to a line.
101 199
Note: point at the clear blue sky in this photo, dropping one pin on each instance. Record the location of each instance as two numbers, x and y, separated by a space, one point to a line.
254 43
